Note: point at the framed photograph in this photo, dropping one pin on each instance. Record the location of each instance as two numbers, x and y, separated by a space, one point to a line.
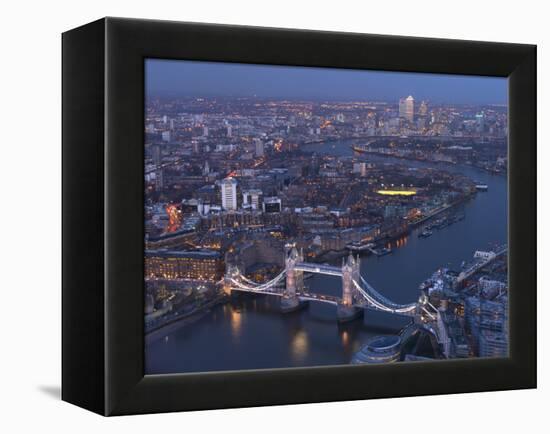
264 216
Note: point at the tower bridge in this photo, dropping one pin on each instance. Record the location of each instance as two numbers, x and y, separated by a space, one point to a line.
357 293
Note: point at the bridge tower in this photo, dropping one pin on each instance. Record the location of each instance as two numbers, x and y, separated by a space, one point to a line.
350 272
294 281
299 275
231 271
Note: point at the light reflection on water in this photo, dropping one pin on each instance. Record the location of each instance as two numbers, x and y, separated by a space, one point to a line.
236 321
299 346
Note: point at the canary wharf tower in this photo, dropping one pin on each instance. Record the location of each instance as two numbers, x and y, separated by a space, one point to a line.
406 108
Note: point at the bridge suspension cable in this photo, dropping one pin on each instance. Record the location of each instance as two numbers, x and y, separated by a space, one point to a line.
394 308
431 315
253 286
383 300
273 281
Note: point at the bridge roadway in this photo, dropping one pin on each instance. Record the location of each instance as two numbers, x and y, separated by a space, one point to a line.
302 295
328 270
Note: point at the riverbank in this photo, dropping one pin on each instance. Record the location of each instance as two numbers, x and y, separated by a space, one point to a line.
181 320
444 208
426 161
333 255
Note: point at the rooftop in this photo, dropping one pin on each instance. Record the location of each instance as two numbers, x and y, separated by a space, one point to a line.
198 254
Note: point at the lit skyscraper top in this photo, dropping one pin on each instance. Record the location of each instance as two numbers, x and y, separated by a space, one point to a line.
406 108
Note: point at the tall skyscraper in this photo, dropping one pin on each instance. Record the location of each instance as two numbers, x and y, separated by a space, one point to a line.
229 193
259 147
406 108
480 119
423 110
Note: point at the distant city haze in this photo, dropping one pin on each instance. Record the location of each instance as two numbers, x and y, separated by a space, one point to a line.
177 78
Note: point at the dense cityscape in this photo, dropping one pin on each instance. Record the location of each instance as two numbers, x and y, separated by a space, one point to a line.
255 198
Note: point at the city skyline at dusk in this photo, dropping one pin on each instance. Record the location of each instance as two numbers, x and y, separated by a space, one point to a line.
310 217
175 78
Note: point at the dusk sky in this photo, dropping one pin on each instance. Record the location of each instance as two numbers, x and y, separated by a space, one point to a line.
190 78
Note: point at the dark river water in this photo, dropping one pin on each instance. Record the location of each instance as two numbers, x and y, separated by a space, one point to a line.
250 333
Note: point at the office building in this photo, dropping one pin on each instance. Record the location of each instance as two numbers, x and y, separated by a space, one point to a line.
493 344
272 204
252 198
167 136
406 108
259 144
228 188
423 110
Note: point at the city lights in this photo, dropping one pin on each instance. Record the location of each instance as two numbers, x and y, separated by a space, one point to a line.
279 229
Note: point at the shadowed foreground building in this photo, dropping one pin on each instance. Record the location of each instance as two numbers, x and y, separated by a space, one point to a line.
381 349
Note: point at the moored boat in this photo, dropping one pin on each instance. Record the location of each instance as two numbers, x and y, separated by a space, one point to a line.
425 234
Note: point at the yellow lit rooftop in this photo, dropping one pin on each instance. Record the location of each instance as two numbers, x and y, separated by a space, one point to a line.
394 192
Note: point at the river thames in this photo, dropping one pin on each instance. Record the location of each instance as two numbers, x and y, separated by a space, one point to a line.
250 333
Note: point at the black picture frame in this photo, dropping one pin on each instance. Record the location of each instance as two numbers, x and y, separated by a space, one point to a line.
103 233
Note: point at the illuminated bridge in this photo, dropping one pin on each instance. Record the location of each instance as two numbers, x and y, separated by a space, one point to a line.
357 293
